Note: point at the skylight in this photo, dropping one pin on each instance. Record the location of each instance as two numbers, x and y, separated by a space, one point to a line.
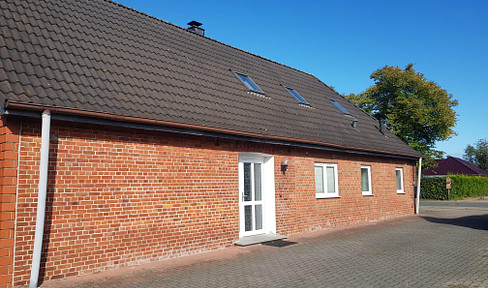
247 81
297 96
340 107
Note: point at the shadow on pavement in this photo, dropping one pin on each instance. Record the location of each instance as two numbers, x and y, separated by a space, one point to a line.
479 222
279 243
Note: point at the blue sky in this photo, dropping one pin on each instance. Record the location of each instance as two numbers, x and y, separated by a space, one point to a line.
343 42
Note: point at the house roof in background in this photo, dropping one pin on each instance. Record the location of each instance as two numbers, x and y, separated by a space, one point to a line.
453 165
102 57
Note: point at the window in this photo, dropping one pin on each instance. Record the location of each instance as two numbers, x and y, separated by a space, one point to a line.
340 107
366 180
399 180
247 81
297 96
326 180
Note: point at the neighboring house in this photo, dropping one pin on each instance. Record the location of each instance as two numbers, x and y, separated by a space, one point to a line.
452 166
157 142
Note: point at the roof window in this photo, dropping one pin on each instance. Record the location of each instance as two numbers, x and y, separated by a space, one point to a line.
247 81
297 96
340 107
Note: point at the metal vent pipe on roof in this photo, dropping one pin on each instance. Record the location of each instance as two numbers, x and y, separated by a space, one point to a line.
381 123
195 28
354 123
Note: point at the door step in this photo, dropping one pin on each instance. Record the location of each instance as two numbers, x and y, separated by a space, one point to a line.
258 239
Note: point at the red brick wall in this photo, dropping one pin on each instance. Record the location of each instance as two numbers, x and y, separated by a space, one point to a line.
120 198
298 210
8 180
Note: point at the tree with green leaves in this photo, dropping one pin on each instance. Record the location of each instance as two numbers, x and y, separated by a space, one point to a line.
417 110
477 155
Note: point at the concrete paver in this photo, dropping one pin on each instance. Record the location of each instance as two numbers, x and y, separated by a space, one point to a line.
444 247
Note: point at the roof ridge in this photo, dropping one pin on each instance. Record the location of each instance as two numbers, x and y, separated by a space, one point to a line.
206 37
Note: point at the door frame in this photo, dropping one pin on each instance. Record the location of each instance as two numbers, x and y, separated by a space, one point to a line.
267 190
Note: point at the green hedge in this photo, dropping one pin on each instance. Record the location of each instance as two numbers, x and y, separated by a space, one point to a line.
462 187
433 188
468 186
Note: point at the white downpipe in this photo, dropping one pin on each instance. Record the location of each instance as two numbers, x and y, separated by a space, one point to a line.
41 200
418 187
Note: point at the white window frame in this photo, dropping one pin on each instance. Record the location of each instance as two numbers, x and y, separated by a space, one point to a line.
370 191
336 181
401 191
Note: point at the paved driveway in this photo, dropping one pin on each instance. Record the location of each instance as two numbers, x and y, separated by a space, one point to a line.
446 247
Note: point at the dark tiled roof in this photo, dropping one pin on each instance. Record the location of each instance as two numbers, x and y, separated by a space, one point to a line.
453 165
100 56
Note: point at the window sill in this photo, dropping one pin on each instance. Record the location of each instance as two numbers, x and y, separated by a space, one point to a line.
326 197
364 194
401 192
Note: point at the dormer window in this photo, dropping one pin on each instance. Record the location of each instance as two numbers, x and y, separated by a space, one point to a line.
340 107
247 81
297 96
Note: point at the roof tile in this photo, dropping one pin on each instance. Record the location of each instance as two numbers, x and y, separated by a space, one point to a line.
100 56
454 165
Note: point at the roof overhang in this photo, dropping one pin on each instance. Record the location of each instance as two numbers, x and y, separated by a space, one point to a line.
101 118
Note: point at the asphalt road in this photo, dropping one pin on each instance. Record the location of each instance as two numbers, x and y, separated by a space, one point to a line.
480 203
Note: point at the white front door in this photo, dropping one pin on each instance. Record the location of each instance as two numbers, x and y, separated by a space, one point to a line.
251 198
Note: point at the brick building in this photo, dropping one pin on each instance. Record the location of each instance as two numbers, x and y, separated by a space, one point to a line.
148 141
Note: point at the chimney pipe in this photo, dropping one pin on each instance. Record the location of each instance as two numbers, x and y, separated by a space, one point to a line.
381 124
195 28
354 123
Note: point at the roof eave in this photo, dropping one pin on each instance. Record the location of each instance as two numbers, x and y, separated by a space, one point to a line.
17 105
